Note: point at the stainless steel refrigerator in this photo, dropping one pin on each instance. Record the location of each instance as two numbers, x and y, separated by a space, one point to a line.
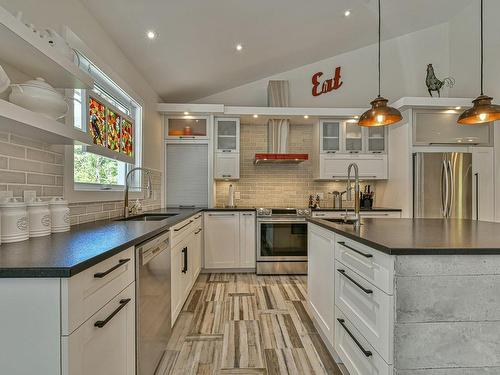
442 185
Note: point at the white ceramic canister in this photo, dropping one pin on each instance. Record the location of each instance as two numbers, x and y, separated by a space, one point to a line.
39 218
59 212
14 221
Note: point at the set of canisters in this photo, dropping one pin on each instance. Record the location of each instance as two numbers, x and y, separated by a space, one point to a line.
21 220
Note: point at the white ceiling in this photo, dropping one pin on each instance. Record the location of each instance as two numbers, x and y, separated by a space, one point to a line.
194 54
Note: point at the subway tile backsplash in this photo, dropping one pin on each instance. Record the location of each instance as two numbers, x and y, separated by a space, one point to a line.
276 185
28 164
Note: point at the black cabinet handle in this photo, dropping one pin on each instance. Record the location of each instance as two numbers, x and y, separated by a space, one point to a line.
184 226
197 217
367 291
367 353
198 231
121 262
355 250
185 265
102 323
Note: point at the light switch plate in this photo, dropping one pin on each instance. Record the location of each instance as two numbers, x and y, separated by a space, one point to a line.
29 195
237 195
321 195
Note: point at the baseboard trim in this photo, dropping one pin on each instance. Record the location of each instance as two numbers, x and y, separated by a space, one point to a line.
228 270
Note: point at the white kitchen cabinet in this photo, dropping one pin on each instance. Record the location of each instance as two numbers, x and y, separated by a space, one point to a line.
343 142
227 134
247 239
227 166
321 279
222 239
483 184
104 344
179 278
186 128
371 166
196 256
438 127
329 136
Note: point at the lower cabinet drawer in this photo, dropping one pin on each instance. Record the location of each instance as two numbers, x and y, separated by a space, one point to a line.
104 344
373 265
358 356
88 291
367 307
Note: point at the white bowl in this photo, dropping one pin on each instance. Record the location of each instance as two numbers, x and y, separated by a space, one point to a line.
38 96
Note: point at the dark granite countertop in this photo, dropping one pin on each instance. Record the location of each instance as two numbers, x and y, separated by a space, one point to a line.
66 254
373 209
422 236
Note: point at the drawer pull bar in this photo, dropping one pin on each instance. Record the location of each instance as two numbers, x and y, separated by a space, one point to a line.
184 226
185 261
198 231
367 291
356 251
197 217
102 323
121 262
367 353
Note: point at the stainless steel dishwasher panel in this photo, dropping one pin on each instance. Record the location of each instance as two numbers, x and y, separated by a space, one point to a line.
153 294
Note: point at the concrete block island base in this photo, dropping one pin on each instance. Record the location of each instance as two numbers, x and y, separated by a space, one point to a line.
410 296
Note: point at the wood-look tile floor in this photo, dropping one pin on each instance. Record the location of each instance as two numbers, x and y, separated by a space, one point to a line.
246 324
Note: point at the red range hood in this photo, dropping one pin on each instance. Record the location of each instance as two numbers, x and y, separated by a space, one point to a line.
280 158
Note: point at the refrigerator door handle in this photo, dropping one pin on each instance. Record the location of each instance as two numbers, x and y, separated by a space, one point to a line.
476 175
444 189
451 189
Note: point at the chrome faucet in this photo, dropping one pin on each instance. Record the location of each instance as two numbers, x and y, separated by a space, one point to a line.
356 219
149 188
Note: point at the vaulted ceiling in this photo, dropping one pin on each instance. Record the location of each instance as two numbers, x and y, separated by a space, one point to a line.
194 54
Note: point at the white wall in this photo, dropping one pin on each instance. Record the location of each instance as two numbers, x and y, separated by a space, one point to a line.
58 13
404 63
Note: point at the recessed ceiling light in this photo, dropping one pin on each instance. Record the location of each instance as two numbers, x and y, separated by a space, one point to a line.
347 13
239 47
255 116
457 108
186 113
151 34
356 116
306 116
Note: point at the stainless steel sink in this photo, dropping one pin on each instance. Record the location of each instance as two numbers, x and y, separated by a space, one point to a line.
148 217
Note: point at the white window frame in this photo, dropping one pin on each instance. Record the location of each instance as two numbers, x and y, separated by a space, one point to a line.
97 192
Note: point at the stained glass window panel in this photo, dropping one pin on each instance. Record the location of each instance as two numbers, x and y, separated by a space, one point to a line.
113 137
97 122
127 137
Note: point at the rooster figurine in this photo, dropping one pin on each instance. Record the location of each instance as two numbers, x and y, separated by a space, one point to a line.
434 84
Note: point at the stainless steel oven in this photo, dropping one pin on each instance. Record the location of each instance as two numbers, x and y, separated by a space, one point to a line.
281 241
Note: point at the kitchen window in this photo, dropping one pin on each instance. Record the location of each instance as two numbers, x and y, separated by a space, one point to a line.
123 132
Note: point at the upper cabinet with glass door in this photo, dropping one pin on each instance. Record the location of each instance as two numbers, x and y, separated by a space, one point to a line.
353 138
376 140
186 127
329 136
227 134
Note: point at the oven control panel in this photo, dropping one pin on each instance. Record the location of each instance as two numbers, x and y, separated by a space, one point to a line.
268 212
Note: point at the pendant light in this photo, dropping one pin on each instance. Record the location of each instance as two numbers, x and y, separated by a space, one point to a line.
380 113
483 110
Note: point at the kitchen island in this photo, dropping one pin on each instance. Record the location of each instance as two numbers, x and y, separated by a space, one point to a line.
410 296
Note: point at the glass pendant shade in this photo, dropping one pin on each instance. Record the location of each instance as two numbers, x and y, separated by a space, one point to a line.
380 114
483 111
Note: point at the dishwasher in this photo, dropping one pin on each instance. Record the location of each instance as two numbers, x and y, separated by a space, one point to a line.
153 300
